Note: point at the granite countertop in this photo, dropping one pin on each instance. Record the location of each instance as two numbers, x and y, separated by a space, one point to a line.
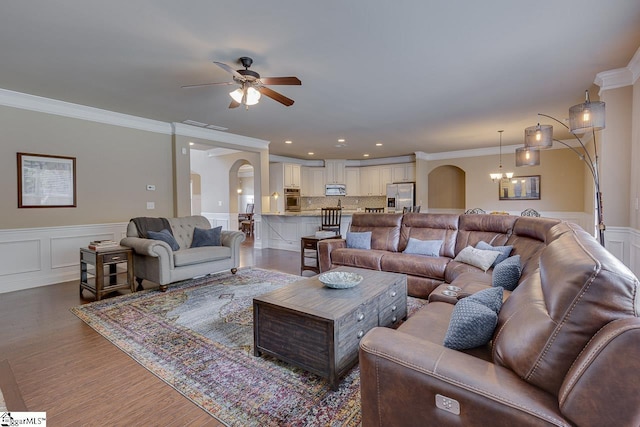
311 212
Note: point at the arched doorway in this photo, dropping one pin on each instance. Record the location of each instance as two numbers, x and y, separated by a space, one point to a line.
447 189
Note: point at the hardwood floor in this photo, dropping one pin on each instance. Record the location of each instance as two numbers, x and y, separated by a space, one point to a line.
65 368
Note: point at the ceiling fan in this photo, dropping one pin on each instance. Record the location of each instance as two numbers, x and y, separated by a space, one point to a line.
252 86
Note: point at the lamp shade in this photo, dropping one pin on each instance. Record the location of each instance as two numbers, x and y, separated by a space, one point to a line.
527 157
253 96
586 117
237 95
539 136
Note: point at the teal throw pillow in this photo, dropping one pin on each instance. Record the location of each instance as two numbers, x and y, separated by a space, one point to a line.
505 251
166 236
206 237
507 274
360 240
423 247
490 298
471 325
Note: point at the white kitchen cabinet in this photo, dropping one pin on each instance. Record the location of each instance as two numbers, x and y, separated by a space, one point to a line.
335 170
291 175
403 172
385 178
370 184
312 182
352 179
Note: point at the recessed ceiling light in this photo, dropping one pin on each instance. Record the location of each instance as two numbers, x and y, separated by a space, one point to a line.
378 144
311 153
341 140
288 142
192 143
365 155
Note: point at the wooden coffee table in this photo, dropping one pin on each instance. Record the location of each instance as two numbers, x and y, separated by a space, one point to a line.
318 329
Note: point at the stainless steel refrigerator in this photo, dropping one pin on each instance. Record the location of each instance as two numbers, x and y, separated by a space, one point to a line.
400 196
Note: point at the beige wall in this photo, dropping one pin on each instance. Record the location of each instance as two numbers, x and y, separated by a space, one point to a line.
447 188
635 157
614 145
561 184
114 165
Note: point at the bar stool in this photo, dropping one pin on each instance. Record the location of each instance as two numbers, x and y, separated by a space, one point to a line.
331 219
309 250
374 210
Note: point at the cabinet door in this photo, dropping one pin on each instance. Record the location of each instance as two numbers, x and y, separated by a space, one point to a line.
305 182
403 172
384 179
317 181
295 176
335 171
353 181
370 184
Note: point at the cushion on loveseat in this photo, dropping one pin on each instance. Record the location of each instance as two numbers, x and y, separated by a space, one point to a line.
198 255
423 227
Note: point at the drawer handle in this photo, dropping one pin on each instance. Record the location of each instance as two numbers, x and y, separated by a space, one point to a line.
360 317
115 257
393 308
393 294
360 334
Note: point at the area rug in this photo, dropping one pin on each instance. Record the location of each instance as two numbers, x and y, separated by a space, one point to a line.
198 338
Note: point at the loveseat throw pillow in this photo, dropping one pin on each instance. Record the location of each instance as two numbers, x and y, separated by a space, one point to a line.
165 236
490 298
206 237
471 325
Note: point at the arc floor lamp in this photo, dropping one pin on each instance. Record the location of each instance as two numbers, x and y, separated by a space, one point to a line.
583 118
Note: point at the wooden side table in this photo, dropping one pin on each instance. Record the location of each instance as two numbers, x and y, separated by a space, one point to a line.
96 281
310 243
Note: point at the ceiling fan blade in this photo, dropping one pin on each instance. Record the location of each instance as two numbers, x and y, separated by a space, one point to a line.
276 96
280 81
234 104
208 84
230 70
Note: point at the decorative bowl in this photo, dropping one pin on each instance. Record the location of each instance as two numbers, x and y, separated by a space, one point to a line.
340 279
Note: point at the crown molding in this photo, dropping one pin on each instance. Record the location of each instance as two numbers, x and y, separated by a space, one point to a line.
634 66
218 136
40 104
620 77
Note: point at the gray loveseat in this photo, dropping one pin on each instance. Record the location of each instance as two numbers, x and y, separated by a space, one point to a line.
154 260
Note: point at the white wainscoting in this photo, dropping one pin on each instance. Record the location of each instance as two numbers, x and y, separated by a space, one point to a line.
31 257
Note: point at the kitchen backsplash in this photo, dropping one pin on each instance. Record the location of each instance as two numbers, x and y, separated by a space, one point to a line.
347 202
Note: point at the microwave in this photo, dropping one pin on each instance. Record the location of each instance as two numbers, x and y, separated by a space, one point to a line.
335 190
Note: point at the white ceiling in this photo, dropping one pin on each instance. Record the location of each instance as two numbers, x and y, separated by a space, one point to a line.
420 75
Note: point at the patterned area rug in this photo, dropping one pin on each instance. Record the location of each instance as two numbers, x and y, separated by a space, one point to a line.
198 338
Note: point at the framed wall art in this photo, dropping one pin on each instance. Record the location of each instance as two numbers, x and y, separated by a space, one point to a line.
519 188
46 181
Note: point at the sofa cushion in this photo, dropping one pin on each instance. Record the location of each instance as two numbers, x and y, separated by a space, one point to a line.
369 259
359 240
423 247
493 229
165 236
191 256
471 325
182 228
204 237
428 226
414 265
477 257
504 251
507 274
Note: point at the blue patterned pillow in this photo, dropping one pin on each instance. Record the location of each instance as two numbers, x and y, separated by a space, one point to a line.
505 251
507 273
423 247
206 237
490 298
166 236
359 240
471 325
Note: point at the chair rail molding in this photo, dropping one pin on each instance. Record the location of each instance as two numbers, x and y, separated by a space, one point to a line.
33 257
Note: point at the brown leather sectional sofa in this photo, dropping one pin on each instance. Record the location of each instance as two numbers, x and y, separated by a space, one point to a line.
566 349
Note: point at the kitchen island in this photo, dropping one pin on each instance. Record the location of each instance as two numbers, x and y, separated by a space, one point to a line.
283 230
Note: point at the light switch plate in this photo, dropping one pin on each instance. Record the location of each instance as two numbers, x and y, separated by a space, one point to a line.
151 205
151 187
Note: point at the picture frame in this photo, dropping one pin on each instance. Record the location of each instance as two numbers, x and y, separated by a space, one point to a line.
46 181
519 188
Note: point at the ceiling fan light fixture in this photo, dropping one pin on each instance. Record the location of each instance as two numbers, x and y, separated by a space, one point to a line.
253 96
237 95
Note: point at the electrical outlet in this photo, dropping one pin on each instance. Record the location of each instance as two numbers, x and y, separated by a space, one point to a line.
151 205
219 202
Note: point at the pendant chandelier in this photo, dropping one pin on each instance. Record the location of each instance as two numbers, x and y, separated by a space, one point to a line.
497 176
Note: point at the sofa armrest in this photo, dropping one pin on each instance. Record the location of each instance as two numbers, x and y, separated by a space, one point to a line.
150 247
231 238
324 252
402 375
